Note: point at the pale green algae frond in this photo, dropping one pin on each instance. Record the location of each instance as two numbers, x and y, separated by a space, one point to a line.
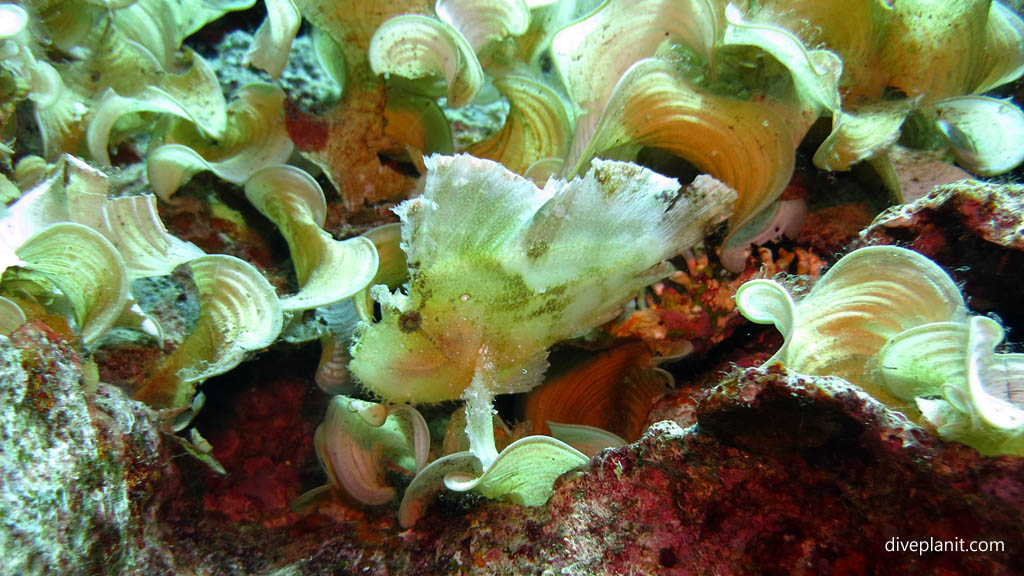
732 88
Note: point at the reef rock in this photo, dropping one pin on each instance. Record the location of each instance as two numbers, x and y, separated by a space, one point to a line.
781 474
79 467
974 229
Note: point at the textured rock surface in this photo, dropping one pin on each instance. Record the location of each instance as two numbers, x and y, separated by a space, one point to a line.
79 468
976 231
780 475
303 79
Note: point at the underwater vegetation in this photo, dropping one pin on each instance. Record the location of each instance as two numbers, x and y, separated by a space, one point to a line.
894 323
551 225
731 87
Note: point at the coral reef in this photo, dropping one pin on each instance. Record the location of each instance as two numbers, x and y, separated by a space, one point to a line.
730 494
530 243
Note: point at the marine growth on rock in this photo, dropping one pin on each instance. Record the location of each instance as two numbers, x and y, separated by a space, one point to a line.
507 196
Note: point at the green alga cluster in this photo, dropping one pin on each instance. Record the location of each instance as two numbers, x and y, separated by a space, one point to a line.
730 87
498 268
103 77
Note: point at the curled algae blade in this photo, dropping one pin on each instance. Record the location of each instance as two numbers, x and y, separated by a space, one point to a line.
613 390
593 53
11 316
194 95
483 21
86 267
415 47
328 270
255 137
131 223
987 134
238 313
906 373
893 322
392 270
537 126
359 439
745 144
341 320
273 39
868 297
958 358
